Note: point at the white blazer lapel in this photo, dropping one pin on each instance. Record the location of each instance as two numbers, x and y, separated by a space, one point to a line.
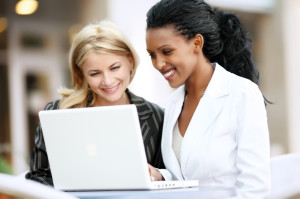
207 110
171 117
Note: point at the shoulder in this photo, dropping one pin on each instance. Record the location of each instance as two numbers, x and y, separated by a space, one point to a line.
245 91
239 89
245 86
52 105
237 83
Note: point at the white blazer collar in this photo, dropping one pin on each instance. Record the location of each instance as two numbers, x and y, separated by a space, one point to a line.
219 84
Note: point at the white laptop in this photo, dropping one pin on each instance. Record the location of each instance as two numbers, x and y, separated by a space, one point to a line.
99 148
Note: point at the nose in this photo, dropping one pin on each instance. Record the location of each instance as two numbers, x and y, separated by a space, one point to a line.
159 63
107 79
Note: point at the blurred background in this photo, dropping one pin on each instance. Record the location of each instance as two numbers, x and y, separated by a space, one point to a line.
35 37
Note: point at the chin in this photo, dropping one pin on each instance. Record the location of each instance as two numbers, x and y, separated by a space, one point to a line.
175 85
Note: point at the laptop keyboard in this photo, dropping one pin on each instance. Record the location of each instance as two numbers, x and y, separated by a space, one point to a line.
174 184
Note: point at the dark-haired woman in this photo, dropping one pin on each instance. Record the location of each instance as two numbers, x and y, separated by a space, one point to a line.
215 127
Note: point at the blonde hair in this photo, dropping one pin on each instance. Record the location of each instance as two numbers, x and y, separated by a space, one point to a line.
103 37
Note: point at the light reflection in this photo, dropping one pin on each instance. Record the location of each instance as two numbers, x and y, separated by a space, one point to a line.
26 7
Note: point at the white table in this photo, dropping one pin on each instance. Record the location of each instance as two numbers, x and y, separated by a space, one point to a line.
186 193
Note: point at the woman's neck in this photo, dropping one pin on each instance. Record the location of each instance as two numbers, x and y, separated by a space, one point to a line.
123 100
198 82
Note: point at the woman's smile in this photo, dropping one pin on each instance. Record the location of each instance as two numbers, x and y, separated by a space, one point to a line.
168 74
111 90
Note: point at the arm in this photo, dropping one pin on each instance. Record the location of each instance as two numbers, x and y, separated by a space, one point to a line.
253 150
155 174
159 174
39 164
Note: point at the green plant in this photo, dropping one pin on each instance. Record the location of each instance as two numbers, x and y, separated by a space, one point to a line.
4 166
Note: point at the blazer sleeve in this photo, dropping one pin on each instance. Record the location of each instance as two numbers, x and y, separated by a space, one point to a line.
39 164
167 174
253 150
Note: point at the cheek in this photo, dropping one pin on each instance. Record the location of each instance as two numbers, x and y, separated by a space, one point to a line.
127 78
179 61
124 74
93 83
188 62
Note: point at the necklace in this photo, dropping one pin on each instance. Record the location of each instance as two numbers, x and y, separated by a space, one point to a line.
193 98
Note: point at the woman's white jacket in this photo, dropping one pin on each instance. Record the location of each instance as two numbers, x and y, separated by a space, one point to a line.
227 140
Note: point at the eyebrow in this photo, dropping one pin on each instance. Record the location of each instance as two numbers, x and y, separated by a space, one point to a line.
113 64
108 67
159 47
163 46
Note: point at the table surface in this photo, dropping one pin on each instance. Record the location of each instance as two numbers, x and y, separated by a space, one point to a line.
182 193
20 187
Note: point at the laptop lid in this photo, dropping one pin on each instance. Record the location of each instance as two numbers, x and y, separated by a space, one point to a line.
99 148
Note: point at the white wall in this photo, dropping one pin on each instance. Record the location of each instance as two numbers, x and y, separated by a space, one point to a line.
257 6
291 27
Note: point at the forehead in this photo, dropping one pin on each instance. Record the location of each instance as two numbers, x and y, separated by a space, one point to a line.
156 37
105 59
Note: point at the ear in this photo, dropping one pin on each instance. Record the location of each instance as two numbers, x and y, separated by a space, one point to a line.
198 42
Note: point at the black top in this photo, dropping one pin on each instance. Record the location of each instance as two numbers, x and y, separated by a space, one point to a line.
151 121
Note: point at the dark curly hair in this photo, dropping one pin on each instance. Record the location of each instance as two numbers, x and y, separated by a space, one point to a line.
225 40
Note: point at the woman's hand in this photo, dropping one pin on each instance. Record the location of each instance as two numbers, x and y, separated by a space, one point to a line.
155 175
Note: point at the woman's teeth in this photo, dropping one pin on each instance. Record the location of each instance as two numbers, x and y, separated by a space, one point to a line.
168 74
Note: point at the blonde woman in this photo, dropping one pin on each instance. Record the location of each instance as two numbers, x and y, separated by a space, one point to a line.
102 64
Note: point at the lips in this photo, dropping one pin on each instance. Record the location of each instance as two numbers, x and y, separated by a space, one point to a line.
111 90
169 73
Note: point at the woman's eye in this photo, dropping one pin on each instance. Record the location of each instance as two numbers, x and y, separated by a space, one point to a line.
167 52
115 67
94 74
152 55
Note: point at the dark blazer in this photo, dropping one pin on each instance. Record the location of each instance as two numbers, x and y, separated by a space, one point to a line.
151 121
